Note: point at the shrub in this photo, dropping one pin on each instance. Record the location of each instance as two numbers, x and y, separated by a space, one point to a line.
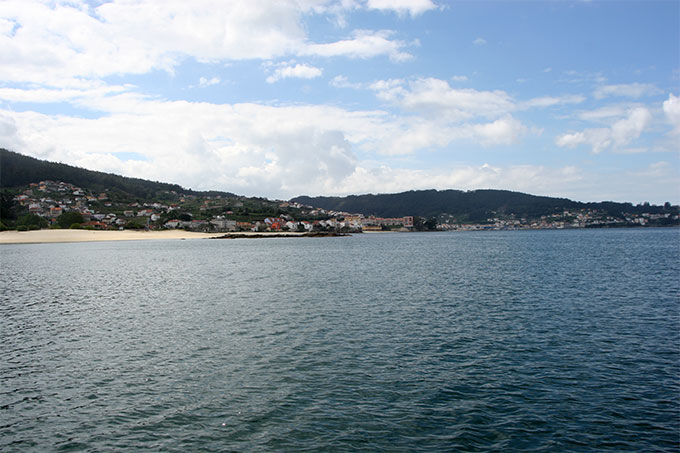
22 228
69 218
76 226
32 219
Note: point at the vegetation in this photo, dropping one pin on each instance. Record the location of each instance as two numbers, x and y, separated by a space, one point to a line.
474 206
32 220
19 170
67 219
34 192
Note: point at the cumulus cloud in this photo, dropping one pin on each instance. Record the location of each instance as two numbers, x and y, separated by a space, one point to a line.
671 107
300 71
340 81
402 7
620 133
436 98
630 90
550 101
55 43
479 42
251 148
362 44
205 82
285 151
503 131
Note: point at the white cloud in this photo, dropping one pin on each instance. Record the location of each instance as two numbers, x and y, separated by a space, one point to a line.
603 113
285 151
620 133
503 131
341 81
49 95
55 43
671 107
479 42
436 98
459 78
363 44
205 82
550 101
300 71
402 7
631 90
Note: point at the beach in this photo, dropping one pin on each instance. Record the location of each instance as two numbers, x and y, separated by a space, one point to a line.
52 236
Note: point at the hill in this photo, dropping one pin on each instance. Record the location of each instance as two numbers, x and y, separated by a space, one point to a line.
470 206
18 170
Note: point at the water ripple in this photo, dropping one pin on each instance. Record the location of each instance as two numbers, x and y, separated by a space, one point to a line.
520 341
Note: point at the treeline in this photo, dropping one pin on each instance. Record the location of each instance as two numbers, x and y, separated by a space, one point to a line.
471 206
19 170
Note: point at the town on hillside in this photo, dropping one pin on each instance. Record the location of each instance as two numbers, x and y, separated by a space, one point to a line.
57 204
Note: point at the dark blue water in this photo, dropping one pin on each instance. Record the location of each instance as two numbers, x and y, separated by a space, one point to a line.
542 341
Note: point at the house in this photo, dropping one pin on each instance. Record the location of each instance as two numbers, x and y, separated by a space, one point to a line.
223 224
96 225
22 199
244 226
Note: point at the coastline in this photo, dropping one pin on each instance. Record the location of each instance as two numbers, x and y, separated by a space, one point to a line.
57 236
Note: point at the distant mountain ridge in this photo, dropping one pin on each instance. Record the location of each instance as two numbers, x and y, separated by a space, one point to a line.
472 206
19 170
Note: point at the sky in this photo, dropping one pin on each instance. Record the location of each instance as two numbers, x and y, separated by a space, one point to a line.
280 98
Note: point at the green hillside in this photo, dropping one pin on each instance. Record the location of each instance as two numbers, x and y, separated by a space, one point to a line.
470 206
18 170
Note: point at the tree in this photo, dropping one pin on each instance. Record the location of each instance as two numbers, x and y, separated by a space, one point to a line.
431 224
7 205
68 218
32 220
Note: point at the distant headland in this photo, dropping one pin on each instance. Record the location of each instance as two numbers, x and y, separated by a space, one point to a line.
37 194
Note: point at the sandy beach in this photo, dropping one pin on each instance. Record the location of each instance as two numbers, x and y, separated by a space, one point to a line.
51 236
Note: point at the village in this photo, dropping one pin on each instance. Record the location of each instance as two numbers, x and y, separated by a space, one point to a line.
106 210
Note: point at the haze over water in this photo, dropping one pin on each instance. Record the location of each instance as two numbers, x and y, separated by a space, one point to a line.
541 340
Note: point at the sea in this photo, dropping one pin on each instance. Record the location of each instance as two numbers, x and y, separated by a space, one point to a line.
563 340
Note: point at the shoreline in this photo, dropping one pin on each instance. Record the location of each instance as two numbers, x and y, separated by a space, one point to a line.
65 236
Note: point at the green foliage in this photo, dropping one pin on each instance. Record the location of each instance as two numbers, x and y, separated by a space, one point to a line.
32 220
76 226
69 218
22 228
473 206
137 223
18 170
7 205
3 227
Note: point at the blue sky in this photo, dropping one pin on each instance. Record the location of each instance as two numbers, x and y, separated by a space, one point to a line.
277 98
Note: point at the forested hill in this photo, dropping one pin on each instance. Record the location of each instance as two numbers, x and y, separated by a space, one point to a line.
19 170
474 205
